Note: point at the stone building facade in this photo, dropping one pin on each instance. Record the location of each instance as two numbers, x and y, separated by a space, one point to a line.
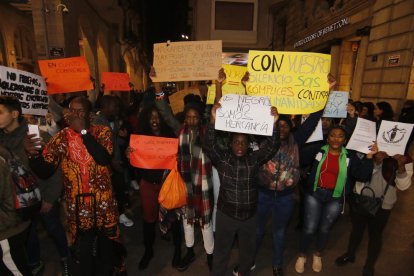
371 42
48 29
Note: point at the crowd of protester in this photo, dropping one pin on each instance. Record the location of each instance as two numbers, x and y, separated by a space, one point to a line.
234 183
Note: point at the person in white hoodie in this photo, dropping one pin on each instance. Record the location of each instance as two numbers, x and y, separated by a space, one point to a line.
399 178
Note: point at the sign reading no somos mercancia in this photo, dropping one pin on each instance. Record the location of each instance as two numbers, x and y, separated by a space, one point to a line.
28 88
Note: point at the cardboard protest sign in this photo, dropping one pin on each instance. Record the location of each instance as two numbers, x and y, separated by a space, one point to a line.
336 105
151 152
114 81
177 99
66 74
295 82
186 61
28 88
363 136
245 114
232 85
393 137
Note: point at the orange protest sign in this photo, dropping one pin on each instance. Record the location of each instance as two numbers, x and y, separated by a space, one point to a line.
115 81
66 75
151 152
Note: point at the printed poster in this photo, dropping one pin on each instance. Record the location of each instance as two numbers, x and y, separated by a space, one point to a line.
393 137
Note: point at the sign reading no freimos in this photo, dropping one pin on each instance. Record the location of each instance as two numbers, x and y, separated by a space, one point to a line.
28 88
295 82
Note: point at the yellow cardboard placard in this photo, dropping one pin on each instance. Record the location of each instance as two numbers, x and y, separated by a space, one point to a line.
295 82
232 85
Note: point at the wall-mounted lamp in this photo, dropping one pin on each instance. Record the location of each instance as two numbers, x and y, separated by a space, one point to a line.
64 8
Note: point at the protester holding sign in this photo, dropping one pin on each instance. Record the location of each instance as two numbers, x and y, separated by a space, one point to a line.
329 182
237 168
196 169
83 152
151 123
277 181
388 175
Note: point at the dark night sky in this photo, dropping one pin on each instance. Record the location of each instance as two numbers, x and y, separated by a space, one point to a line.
165 20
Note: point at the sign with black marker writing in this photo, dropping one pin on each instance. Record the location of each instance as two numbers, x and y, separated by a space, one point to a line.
185 61
245 114
295 82
28 88
336 105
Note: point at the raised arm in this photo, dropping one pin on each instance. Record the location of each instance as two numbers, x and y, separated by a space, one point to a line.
163 107
219 84
210 139
269 146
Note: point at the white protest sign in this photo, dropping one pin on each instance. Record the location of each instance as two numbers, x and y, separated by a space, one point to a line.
28 88
245 114
363 136
393 137
317 134
336 105
185 61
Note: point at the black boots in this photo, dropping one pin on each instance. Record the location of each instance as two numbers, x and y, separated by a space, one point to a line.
210 261
149 237
177 238
187 260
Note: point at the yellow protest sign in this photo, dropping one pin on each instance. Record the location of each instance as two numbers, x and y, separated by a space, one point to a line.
187 61
295 82
177 99
232 85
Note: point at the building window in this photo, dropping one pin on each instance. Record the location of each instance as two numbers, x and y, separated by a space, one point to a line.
239 10
226 23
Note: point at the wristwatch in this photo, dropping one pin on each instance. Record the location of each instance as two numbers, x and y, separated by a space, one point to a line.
83 131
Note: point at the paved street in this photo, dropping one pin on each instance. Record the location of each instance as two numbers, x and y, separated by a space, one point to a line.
397 258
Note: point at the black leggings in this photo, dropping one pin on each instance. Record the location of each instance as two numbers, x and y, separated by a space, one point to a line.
376 226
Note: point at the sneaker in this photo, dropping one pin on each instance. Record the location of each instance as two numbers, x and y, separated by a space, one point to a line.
65 267
123 219
236 269
300 264
37 269
317 263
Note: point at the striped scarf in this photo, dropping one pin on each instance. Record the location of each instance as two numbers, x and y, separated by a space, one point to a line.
196 170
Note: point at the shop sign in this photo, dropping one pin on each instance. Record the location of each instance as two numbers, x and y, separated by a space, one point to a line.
56 52
322 32
393 60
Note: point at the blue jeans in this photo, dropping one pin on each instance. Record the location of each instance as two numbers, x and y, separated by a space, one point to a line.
54 227
281 207
321 211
